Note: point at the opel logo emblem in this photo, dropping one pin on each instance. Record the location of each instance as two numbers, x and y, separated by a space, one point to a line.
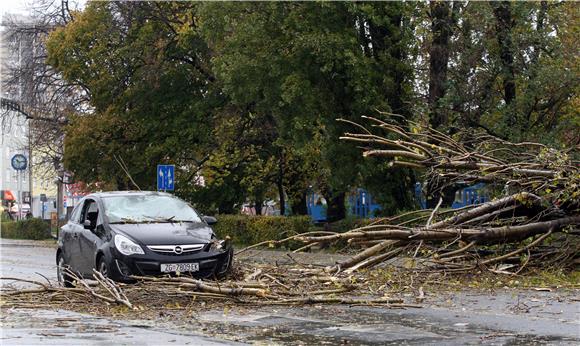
178 250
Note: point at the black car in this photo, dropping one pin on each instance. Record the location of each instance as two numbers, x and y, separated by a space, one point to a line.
129 233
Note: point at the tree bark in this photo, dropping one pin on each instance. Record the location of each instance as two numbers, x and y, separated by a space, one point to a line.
299 205
386 38
480 235
226 207
336 209
541 17
280 184
441 21
258 206
504 25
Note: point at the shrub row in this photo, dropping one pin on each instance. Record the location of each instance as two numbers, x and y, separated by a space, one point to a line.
34 229
247 230
347 224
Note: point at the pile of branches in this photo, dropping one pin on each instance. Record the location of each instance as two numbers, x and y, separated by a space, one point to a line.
251 285
541 197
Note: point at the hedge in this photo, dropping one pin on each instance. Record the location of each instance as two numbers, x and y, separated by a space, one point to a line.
34 229
348 224
247 230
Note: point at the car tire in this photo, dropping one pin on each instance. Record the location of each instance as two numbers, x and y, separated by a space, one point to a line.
103 268
228 271
63 278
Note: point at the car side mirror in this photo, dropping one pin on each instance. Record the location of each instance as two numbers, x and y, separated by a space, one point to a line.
87 225
210 220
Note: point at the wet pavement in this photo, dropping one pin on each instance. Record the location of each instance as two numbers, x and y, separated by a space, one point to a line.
499 317
26 259
26 327
491 320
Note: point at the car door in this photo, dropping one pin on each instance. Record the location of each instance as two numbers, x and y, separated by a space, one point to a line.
70 239
88 239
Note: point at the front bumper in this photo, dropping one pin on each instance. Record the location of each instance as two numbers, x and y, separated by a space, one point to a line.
211 263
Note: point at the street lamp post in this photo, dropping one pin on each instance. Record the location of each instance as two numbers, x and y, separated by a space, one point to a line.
30 195
19 163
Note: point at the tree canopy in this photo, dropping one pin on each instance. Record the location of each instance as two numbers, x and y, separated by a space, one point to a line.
246 95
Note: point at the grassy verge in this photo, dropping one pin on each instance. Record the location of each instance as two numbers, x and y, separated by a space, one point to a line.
395 279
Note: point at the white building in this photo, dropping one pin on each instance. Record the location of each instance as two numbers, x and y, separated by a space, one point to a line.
14 127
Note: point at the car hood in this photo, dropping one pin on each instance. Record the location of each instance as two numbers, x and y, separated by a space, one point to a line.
179 233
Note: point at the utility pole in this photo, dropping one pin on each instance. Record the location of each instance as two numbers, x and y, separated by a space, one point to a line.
19 184
58 202
30 195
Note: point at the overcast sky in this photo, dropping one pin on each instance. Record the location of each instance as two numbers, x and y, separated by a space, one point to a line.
13 6
23 6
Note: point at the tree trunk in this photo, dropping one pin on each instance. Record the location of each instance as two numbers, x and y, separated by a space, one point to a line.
539 28
504 25
299 206
386 38
441 21
541 16
282 197
226 207
121 183
336 209
280 184
258 206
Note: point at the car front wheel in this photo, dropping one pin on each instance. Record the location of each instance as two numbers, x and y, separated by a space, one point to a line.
227 266
103 268
63 278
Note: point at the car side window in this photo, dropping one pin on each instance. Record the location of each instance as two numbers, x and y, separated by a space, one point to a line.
90 212
76 214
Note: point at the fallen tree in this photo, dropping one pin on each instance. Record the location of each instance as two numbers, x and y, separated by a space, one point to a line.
534 223
547 200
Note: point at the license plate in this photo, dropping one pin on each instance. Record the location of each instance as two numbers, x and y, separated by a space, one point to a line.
179 267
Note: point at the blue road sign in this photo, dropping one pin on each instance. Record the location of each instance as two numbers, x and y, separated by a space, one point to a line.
166 177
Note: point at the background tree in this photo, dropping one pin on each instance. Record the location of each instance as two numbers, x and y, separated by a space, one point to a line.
520 99
146 83
36 88
246 94
306 64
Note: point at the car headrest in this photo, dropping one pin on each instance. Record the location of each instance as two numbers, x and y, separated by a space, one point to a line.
92 216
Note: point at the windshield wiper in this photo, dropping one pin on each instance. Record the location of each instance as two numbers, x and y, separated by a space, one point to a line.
127 220
161 219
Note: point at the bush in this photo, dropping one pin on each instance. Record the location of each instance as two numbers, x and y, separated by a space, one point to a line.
247 230
34 229
348 224
4 216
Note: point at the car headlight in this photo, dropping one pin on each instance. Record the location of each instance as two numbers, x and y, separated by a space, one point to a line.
126 246
218 245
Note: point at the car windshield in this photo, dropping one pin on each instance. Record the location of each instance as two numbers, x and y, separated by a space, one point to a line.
148 209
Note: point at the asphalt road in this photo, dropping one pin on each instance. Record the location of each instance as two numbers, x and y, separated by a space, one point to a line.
27 260
504 317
